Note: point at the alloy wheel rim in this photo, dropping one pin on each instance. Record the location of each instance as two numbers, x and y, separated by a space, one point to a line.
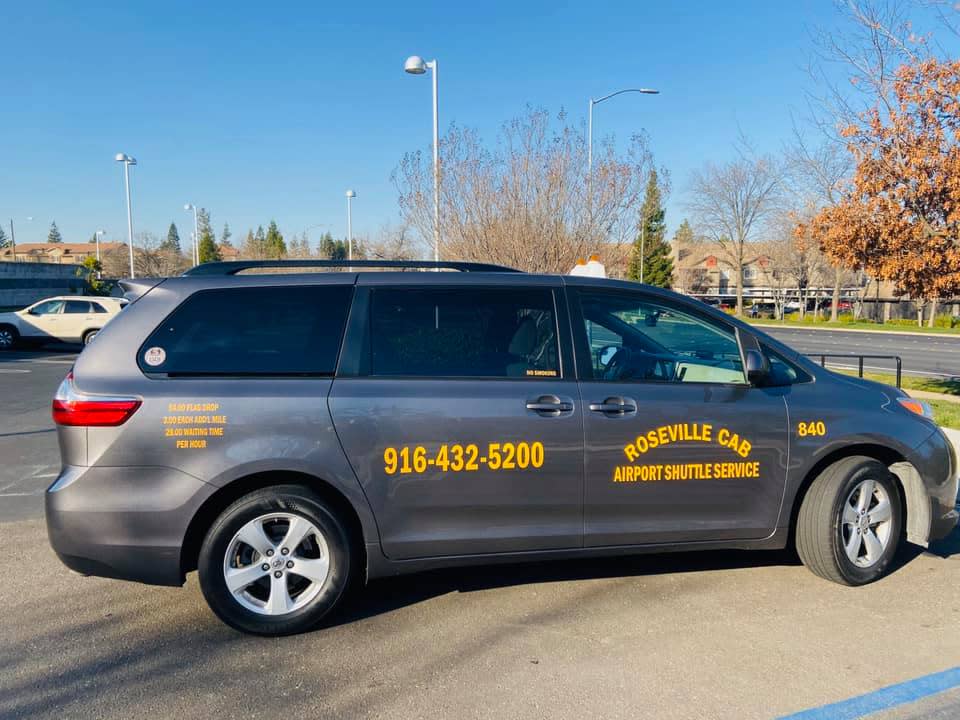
276 564
866 523
6 338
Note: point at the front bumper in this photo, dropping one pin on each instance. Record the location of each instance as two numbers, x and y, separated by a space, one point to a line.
123 522
945 476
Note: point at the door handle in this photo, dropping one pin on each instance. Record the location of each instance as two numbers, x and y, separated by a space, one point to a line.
615 406
550 405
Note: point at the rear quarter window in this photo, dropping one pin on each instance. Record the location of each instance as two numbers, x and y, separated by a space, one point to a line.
251 331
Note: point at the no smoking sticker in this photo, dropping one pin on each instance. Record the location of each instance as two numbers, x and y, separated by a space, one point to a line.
155 356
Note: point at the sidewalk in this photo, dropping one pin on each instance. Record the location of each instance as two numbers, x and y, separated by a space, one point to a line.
840 328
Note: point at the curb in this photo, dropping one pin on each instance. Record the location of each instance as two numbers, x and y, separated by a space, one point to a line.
927 395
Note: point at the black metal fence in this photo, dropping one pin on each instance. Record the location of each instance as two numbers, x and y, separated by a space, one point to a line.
860 358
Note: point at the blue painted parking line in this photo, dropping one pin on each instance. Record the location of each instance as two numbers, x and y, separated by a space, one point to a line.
884 698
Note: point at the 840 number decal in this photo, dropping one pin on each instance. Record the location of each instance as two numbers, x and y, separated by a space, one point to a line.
463 458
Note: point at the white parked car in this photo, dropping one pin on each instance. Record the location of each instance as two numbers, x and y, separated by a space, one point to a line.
68 318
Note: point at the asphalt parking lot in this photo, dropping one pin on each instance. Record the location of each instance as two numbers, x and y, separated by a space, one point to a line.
707 635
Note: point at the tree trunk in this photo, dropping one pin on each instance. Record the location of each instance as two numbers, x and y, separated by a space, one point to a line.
919 314
836 295
740 283
933 313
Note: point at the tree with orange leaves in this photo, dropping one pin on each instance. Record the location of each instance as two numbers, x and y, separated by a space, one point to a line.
899 217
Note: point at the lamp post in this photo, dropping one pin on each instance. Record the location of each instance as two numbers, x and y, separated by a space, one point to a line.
196 233
416 65
127 162
350 196
643 91
97 235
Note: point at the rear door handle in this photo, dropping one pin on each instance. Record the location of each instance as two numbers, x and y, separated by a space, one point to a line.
615 406
550 405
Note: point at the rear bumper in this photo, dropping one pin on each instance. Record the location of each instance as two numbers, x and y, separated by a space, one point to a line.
123 522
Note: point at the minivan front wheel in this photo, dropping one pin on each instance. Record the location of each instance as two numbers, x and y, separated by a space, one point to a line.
849 524
275 562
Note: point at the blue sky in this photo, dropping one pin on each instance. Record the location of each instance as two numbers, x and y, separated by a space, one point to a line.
260 111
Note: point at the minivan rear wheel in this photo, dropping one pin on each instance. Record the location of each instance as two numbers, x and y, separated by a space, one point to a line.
850 520
275 562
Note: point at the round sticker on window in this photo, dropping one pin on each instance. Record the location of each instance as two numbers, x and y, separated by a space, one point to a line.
155 356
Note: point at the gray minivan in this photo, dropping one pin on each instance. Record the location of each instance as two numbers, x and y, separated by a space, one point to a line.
288 434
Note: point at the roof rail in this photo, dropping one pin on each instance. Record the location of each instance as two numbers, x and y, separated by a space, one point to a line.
233 267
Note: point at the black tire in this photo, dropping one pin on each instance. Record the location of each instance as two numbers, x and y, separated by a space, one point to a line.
89 335
9 337
287 499
821 530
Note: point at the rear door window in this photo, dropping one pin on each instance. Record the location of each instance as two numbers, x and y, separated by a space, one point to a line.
77 307
464 332
250 331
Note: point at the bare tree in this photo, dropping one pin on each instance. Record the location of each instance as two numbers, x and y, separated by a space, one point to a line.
731 202
818 173
393 243
528 201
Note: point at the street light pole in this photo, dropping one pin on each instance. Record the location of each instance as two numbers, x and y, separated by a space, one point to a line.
416 65
13 241
196 233
127 162
350 196
642 91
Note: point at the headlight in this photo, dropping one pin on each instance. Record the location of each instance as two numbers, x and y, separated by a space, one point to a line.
917 406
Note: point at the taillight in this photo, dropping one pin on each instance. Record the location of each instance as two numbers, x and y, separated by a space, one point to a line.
71 407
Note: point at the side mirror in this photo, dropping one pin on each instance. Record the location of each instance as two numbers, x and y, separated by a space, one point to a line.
32 311
758 367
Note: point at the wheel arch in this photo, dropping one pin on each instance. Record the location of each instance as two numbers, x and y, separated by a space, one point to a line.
220 500
913 495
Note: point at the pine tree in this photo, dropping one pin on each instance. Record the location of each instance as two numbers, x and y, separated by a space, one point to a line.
275 247
225 236
172 241
327 246
54 235
248 249
651 240
260 243
208 250
4 240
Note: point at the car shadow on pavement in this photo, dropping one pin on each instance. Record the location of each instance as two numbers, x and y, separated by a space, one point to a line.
385 595
54 350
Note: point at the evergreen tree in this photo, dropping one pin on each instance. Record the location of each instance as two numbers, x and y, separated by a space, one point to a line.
4 240
248 249
327 246
225 236
275 247
651 240
203 222
260 243
172 241
54 235
208 250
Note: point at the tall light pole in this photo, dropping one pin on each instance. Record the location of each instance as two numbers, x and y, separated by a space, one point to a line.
350 196
97 235
643 91
196 233
416 65
127 162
